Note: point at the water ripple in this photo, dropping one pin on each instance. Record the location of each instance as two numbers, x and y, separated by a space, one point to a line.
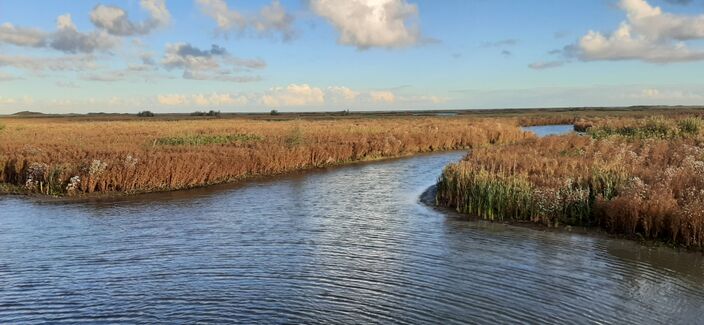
347 245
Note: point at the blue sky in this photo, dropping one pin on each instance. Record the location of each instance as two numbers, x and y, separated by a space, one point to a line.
315 55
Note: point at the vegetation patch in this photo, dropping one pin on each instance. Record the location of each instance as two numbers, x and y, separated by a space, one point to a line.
130 155
203 139
646 182
650 128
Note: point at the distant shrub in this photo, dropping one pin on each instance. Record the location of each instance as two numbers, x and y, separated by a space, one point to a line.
209 113
145 114
274 112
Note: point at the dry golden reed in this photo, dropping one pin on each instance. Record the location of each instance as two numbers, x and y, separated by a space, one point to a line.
60 156
642 178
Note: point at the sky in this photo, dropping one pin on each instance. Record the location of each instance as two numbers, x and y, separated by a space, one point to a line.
85 56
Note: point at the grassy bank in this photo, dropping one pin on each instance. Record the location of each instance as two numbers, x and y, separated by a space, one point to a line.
642 178
79 156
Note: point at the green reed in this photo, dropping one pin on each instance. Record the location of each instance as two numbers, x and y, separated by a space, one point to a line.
202 139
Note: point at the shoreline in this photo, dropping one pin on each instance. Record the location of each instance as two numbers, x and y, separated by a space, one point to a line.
427 198
97 196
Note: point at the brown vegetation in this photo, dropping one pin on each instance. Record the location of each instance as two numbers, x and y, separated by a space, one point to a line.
638 177
59 156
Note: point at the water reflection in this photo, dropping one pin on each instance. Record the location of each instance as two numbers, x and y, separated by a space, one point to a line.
548 130
350 245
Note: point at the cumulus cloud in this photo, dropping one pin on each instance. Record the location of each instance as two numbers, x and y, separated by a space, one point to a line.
212 64
371 23
183 55
68 39
270 20
649 34
342 94
115 20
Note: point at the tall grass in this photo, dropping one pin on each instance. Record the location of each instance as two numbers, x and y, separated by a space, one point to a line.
63 156
648 183
657 127
201 140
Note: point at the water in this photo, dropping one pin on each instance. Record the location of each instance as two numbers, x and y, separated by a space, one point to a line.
548 130
346 245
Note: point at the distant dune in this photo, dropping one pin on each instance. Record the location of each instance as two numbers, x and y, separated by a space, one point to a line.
27 113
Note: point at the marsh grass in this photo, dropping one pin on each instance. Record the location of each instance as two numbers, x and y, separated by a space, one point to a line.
145 155
657 127
645 183
203 139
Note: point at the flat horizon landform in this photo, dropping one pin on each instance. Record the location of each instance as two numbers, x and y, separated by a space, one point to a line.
635 171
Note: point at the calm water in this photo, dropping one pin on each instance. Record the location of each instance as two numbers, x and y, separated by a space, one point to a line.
547 130
349 245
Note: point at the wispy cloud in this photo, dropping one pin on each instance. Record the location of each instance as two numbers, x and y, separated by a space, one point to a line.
115 20
271 20
212 64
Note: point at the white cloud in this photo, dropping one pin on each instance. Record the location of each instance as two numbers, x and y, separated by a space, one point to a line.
115 20
294 95
219 100
425 99
302 95
158 10
342 94
172 100
382 96
271 19
649 34
371 23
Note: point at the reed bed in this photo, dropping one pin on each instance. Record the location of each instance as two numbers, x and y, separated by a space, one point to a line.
66 156
647 182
